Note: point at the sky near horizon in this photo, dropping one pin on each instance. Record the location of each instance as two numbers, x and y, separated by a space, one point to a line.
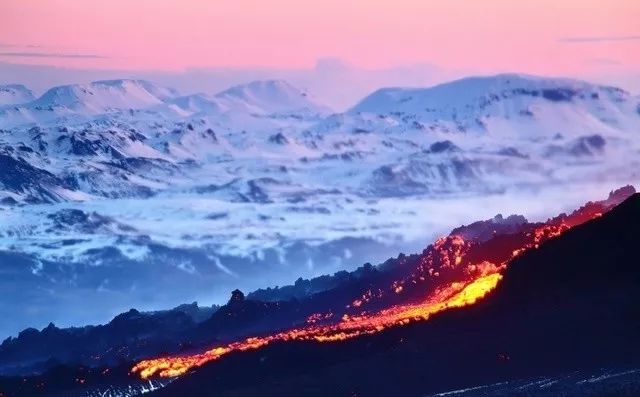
562 37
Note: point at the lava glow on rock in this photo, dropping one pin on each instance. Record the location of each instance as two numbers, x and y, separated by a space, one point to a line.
472 280
455 295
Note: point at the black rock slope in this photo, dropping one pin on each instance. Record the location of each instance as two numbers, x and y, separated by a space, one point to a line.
573 304
129 336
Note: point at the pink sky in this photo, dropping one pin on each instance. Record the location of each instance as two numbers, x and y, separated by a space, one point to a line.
523 36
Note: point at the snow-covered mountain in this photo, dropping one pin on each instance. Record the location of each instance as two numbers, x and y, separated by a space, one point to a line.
495 104
13 94
271 97
268 141
197 104
258 98
102 96
475 93
262 177
80 101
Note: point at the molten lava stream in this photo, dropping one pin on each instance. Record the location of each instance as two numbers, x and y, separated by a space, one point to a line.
449 252
454 295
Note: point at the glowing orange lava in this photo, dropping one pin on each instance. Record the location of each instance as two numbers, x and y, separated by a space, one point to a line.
472 282
455 295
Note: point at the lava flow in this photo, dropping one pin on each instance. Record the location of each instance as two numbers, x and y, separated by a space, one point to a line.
455 295
462 270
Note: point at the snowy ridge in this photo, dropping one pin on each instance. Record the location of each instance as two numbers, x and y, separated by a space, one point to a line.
15 94
130 138
261 177
474 92
271 96
102 96
196 103
258 98
136 99
524 103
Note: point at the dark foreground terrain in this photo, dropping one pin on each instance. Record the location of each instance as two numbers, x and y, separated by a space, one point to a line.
565 320
601 382
571 305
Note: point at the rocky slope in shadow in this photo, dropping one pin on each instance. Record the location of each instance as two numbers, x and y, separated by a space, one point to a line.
571 304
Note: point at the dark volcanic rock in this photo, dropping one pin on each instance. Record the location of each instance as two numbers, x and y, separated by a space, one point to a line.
570 305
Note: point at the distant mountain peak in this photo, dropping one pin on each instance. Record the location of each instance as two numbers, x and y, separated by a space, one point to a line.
105 95
473 91
272 96
257 86
14 94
